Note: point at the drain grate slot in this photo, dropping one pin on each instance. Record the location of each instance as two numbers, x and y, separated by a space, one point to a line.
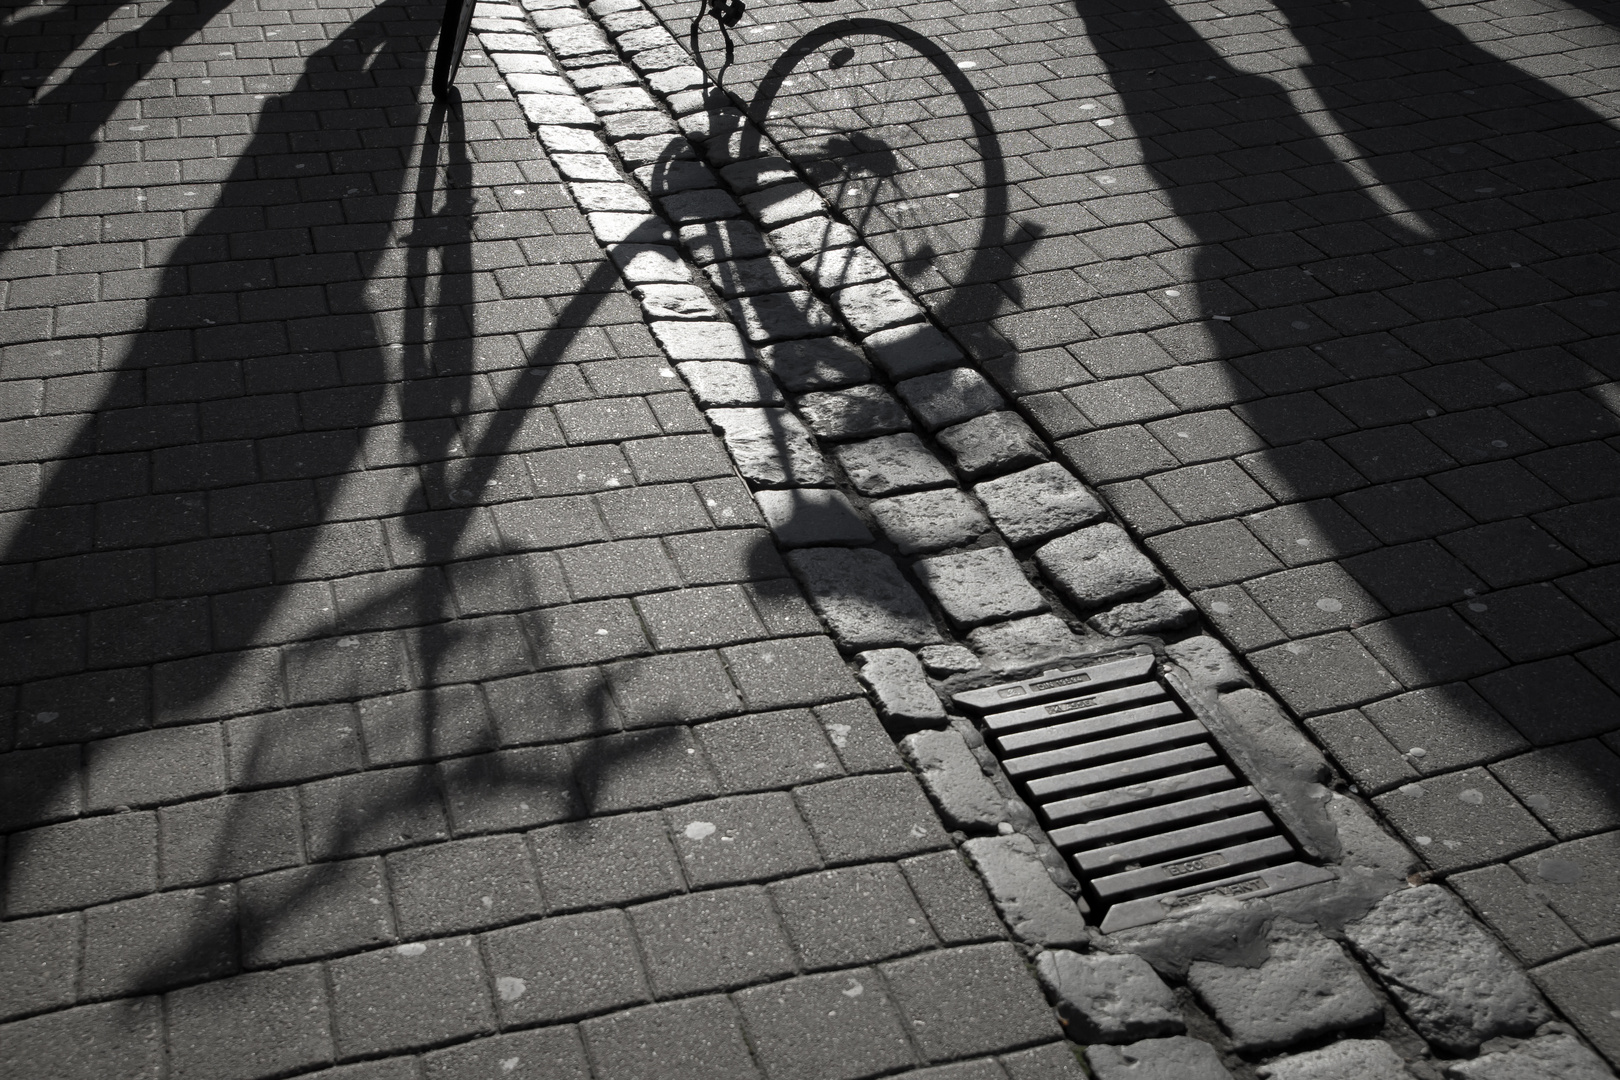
1134 791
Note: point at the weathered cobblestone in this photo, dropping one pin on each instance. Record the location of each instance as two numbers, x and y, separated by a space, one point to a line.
1453 982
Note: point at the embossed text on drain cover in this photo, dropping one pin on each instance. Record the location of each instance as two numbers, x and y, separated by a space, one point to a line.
1134 791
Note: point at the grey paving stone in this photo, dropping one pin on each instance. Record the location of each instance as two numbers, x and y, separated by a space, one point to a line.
662 772
562 968
741 839
370 812
523 1055
154 766
1451 725
699 340
779 316
1178 1057
425 724
715 240
619 197
832 269
907 351
853 729
1551 701
119 1038
855 412
675 688
748 277
857 915
1519 917
781 204
408 996
1161 613
700 204
1368 1058
469 884
699 617
943 660
820 363
771 447
950 397
727 383
890 465
973 1000
993 444
311 911
1054 1061
154 942
1036 910
1573 789
1455 985
700 1039
1577 879
900 688
293 744
250 1026
809 236
1462 819
670 176
509 789
863 818
618 228
929 520
80 863
758 173
729 555
1038 503
1554 1055
1314 599
1025 641
1580 985
687 303
862 598
1215 554
1096 566
1370 759
980 586
711 940
551 706
1307 987
954 898
785 672
877 305
951 775
1209 663
787 1022
1302 533
603 861
43 956
1296 672
1106 998
770 750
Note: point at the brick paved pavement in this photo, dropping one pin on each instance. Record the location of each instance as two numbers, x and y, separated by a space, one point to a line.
1325 299
395 671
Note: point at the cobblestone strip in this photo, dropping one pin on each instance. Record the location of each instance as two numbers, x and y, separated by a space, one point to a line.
960 548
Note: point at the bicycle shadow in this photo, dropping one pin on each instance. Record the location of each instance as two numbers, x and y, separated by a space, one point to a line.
446 414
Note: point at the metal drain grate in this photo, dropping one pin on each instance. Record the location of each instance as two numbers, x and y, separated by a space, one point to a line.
1134 791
